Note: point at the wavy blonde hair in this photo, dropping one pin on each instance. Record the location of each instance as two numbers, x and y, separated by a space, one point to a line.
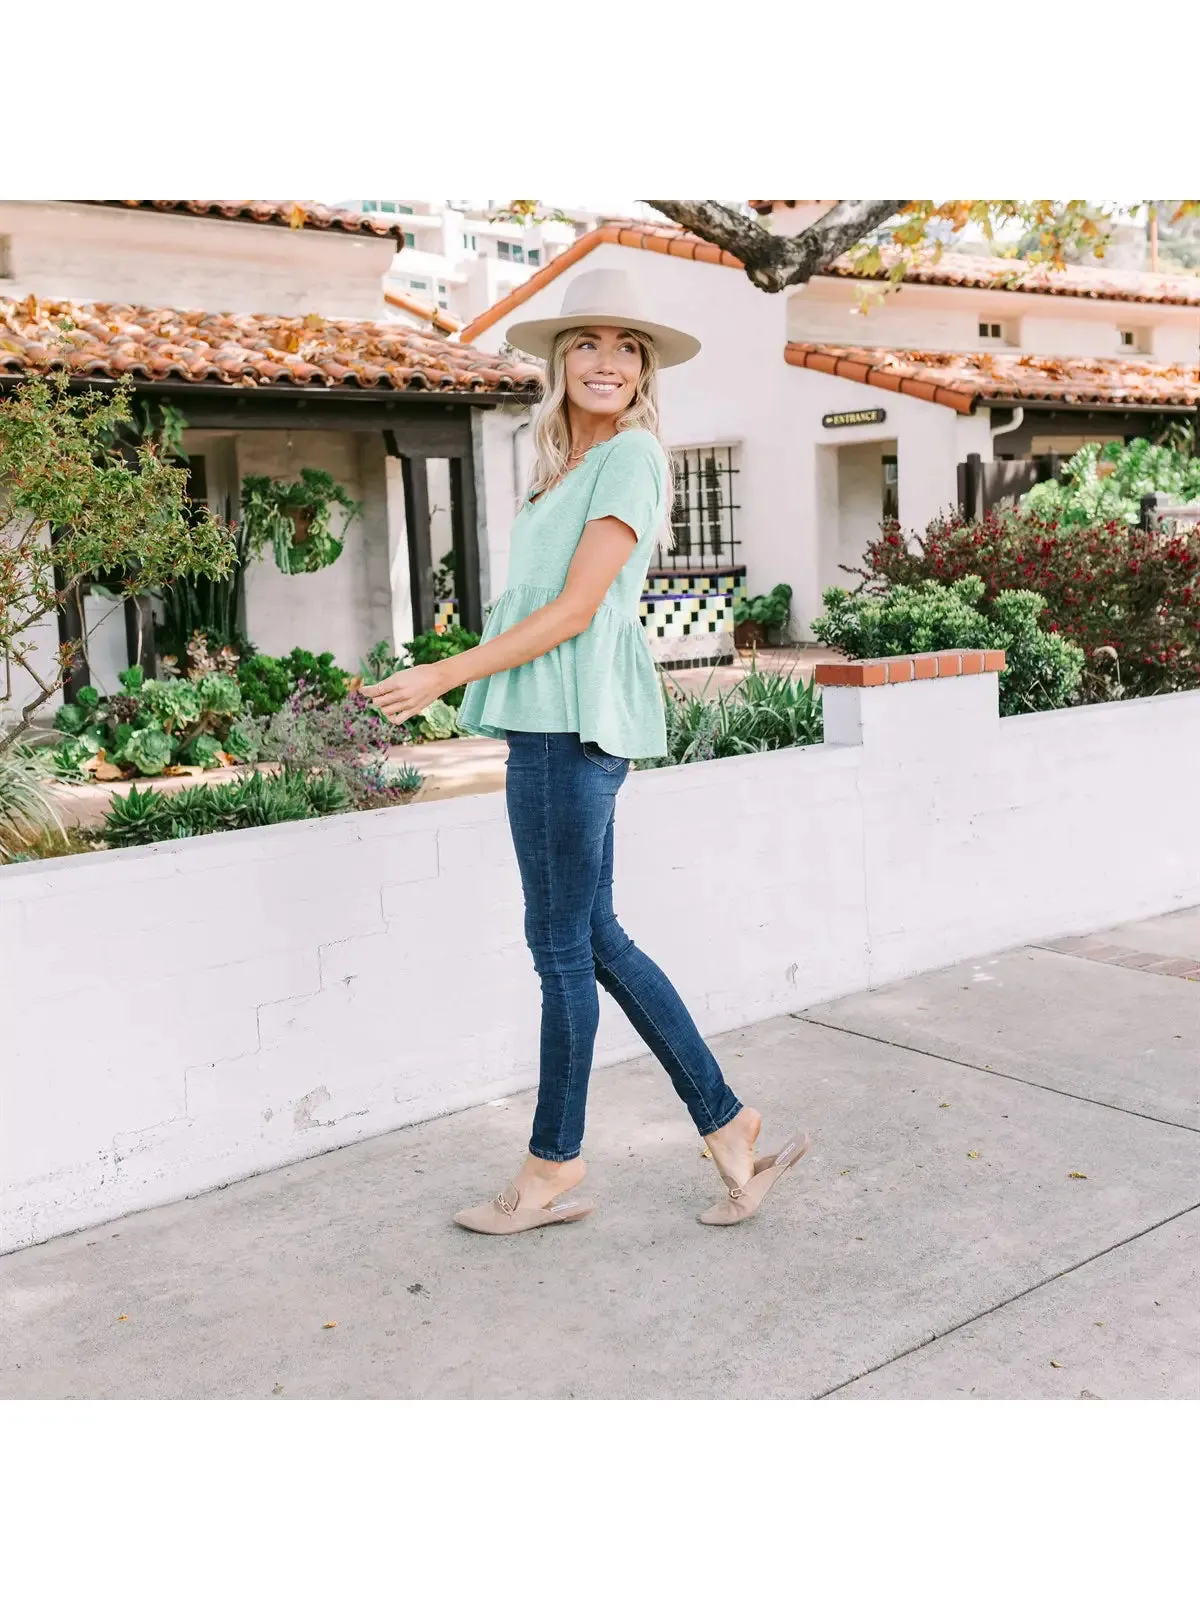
551 425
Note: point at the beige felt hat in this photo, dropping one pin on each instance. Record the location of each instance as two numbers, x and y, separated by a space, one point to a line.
606 298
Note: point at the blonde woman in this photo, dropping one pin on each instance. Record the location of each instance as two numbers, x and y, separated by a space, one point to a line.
565 675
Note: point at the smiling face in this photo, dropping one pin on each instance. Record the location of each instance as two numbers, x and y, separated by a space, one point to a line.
602 370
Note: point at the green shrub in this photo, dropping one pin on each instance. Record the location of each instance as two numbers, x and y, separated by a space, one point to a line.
1129 598
1042 669
268 682
1106 483
768 610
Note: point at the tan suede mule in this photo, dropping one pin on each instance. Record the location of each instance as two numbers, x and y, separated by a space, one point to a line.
506 1214
742 1202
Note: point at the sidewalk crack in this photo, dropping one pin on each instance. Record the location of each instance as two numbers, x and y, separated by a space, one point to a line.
1011 1299
992 1072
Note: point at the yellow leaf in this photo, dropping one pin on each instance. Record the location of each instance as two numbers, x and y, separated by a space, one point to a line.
843 1172
706 1153
973 1155
1056 1363
329 1324
122 1318
945 1106
1076 1174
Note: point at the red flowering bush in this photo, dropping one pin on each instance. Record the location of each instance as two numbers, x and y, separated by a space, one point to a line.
1130 598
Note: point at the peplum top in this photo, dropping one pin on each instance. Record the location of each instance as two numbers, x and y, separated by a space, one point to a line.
602 684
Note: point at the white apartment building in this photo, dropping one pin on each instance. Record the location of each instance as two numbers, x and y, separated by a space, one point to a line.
458 262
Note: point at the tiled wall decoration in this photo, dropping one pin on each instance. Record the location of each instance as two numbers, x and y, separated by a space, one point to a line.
688 616
446 615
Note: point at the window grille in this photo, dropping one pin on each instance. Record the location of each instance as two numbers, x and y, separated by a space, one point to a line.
702 515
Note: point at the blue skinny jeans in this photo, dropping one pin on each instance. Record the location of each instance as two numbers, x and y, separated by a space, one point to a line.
561 796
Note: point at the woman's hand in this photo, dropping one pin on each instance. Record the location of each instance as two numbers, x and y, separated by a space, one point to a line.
409 691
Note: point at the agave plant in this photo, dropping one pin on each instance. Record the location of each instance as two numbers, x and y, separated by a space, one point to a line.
766 711
26 811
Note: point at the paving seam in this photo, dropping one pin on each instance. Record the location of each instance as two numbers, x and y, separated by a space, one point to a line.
992 1072
1021 1294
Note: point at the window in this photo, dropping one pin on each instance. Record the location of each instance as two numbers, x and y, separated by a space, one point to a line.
387 205
470 242
405 211
891 489
1128 338
420 284
443 295
993 331
370 205
6 270
702 513
535 258
503 249
410 241
518 252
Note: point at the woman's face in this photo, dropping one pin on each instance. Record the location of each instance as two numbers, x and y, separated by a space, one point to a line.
603 366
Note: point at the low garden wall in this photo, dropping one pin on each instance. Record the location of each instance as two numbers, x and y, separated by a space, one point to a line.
183 1015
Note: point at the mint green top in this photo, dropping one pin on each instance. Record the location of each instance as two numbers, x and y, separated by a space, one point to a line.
602 684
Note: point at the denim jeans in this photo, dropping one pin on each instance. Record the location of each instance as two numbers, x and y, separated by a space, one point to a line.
561 796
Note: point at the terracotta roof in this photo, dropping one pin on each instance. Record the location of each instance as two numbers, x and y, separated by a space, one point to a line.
434 315
961 379
665 240
955 270
154 344
958 270
283 213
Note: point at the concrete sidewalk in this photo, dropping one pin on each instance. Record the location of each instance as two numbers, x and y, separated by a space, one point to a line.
937 1243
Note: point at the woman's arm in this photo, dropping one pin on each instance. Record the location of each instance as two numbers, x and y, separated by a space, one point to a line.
603 549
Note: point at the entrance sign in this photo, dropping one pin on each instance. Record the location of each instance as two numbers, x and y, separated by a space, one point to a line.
852 419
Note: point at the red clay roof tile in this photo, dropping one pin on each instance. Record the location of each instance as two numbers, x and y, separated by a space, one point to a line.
953 270
282 213
250 349
961 379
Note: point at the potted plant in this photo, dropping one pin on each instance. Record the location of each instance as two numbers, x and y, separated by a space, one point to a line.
294 518
753 619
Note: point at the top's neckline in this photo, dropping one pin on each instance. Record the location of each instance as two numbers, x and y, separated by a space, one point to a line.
599 445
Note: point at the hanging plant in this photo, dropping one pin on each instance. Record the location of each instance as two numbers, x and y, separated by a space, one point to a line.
294 519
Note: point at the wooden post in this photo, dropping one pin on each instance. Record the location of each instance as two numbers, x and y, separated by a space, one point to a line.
420 553
464 523
973 487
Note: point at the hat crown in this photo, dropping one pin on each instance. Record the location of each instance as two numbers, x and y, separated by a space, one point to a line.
607 292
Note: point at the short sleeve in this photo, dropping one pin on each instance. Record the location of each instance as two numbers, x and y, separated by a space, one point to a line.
631 483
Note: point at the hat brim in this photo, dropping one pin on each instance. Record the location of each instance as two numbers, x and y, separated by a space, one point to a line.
672 345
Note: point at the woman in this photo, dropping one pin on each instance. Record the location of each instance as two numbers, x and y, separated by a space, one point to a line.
564 673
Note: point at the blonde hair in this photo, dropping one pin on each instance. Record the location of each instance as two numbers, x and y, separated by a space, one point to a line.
551 427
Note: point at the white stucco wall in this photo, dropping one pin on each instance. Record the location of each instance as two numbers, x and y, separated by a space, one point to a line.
345 607
292 989
923 316
503 440
67 250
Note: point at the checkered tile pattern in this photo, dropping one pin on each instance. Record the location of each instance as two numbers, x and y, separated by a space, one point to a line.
446 615
688 616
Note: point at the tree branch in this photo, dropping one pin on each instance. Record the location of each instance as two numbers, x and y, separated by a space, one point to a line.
773 261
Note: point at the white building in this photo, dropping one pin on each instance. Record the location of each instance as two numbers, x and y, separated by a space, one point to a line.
806 421
457 261
264 323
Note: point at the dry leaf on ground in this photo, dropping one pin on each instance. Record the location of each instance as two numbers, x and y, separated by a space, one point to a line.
1056 1363
1076 1174
329 1324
